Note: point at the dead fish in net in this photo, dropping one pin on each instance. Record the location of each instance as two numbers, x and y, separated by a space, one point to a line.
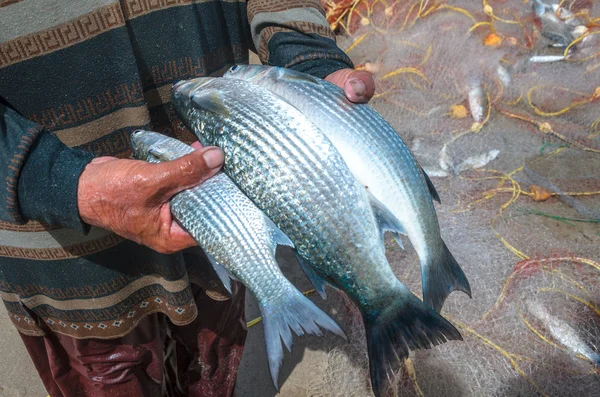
563 332
292 172
553 28
546 58
240 241
503 75
381 161
476 99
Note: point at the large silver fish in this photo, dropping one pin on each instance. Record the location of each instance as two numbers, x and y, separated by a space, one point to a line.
380 160
239 240
292 172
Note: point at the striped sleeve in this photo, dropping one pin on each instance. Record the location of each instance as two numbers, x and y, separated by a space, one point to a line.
295 34
39 174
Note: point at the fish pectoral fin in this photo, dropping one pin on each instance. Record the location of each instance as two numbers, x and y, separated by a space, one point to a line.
293 75
224 275
211 101
386 220
432 191
316 280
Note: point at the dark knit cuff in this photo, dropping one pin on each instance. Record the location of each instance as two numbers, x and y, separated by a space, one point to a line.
49 181
308 53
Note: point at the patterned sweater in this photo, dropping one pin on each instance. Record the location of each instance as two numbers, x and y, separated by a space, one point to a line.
76 78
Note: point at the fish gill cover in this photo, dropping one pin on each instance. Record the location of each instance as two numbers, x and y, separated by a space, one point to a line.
500 102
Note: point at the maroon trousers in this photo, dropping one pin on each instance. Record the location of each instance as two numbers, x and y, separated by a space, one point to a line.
157 358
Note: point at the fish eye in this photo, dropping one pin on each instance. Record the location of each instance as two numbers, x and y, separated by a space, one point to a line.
233 68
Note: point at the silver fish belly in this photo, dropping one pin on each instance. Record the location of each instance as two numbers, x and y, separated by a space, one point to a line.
291 171
240 240
380 161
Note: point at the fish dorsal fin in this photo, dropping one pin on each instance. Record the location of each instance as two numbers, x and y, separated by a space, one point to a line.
224 275
211 101
386 220
277 236
434 193
295 76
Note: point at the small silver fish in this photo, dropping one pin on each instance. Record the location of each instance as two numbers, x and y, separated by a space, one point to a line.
292 172
476 98
380 161
546 58
504 75
563 332
240 241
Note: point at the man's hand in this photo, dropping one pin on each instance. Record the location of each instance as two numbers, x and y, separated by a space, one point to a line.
359 86
131 197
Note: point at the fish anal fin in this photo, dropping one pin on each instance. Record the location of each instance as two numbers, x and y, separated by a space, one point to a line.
224 275
210 100
277 236
386 220
316 280
434 193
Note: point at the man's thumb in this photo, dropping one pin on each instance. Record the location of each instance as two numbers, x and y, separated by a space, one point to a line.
190 170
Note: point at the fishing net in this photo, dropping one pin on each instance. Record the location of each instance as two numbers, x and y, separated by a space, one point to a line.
505 117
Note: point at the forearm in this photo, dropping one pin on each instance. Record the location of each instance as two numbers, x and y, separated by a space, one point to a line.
295 34
40 173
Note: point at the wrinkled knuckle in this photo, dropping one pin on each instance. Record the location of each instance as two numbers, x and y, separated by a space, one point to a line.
187 166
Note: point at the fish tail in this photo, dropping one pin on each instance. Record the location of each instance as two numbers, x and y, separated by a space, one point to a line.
295 313
402 323
442 277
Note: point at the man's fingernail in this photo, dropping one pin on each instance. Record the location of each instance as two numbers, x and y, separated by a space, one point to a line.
358 86
213 157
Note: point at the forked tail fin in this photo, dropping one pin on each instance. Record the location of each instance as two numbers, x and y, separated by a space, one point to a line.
440 278
294 312
404 323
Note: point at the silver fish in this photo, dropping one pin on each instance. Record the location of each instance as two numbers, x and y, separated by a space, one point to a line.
292 172
240 241
563 332
476 99
380 160
546 58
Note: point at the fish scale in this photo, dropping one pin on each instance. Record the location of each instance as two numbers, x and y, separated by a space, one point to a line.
293 173
238 238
